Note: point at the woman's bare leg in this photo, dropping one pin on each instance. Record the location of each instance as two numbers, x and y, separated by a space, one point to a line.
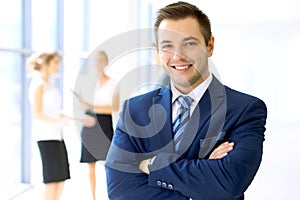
59 189
92 177
53 191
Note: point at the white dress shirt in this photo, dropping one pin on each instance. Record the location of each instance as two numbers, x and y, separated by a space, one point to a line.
196 94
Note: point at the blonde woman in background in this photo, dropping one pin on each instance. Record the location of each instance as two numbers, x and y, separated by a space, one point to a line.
98 96
47 123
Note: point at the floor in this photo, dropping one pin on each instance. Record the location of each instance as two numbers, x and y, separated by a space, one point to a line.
75 188
277 179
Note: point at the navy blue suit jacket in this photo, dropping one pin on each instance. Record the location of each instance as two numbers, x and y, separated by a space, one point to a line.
144 130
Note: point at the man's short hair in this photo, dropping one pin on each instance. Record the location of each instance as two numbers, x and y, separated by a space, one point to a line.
182 10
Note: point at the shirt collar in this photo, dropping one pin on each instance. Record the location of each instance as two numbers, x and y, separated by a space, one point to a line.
196 93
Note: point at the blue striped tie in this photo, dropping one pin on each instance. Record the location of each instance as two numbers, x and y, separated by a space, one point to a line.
182 118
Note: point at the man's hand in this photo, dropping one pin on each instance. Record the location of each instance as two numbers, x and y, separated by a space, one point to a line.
144 166
222 150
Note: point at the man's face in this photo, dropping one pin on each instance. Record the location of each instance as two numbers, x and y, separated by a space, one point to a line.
183 53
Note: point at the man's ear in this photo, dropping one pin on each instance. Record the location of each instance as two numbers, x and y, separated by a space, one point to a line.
210 46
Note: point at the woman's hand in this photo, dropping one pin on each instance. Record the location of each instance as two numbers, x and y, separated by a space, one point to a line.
88 121
86 104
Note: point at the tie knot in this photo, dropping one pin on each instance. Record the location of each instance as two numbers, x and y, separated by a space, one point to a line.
185 101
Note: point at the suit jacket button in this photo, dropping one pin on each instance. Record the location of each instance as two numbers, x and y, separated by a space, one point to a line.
164 184
158 183
170 186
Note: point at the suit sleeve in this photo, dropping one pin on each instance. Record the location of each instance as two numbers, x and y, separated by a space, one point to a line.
124 179
226 178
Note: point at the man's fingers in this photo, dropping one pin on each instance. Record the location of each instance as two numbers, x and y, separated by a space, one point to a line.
222 150
221 155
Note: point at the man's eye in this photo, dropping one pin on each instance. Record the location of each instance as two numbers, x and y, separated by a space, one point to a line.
166 46
190 43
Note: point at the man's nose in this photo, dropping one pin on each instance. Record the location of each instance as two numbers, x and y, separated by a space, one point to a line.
178 54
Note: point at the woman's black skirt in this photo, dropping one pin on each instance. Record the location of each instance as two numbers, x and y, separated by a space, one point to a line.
54 161
95 141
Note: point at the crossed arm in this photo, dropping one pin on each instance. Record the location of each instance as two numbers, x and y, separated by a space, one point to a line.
221 151
221 175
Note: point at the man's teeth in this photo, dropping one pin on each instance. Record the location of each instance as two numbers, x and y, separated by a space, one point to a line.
181 67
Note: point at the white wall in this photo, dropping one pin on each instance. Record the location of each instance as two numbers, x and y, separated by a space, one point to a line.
256 51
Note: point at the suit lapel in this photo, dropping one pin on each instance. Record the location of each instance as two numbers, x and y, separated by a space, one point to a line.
163 101
214 97
211 109
214 116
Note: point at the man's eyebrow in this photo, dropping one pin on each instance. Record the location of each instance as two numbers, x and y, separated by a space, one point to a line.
184 39
165 41
190 38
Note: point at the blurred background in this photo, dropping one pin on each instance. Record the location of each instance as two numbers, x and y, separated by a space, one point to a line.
256 51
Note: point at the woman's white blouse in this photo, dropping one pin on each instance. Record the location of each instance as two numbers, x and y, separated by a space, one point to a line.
51 106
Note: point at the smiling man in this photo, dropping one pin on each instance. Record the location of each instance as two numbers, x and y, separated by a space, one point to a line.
194 139
184 52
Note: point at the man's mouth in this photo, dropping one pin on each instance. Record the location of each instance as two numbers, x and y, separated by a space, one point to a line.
181 67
